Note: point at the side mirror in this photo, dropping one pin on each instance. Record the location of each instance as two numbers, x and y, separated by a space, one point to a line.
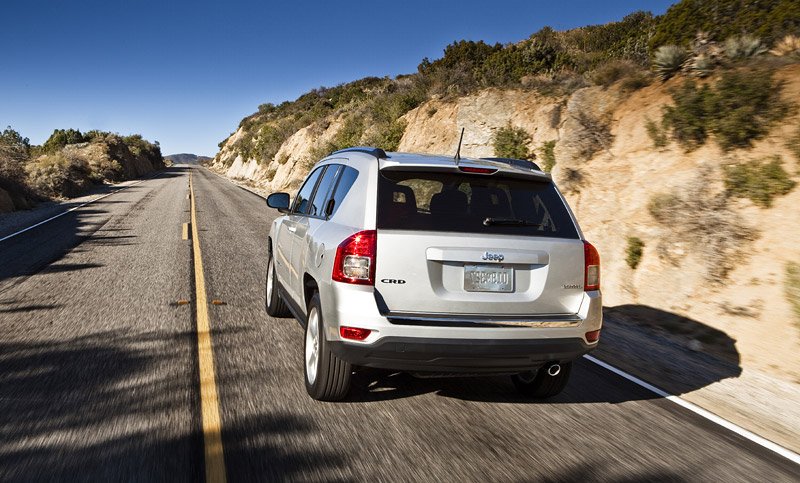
279 201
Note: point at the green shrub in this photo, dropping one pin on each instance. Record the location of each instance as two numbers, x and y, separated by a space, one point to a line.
455 72
626 39
634 251
741 108
668 60
512 142
760 181
744 106
657 134
508 65
688 117
791 287
270 138
61 138
387 135
549 155
743 47
767 19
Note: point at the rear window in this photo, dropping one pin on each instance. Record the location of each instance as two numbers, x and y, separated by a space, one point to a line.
471 203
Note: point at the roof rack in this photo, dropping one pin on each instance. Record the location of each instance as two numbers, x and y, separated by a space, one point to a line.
377 152
519 163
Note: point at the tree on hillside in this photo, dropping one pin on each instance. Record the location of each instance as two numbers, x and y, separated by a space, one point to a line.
61 138
14 153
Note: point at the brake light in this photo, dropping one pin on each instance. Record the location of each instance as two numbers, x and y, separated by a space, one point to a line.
470 169
591 278
354 333
355 259
593 336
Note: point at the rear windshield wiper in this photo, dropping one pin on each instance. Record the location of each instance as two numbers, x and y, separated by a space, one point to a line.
509 221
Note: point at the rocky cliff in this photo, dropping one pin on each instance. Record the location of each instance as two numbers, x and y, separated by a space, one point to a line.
723 267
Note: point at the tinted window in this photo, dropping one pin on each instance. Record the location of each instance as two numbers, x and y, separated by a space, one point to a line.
471 204
301 200
346 181
317 207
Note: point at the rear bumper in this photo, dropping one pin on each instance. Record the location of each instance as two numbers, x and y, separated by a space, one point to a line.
460 355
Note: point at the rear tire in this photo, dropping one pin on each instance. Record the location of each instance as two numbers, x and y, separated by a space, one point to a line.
276 307
540 385
327 377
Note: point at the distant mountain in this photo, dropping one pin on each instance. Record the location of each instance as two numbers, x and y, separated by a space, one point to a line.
186 158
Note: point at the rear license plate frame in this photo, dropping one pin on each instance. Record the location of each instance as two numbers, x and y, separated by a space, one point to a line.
473 271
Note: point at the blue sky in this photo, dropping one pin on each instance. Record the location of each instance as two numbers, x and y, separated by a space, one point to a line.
186 72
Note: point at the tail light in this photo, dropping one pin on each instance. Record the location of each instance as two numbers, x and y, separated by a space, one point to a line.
593 336
591 277
355 259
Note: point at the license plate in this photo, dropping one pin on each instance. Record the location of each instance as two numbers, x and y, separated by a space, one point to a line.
488 278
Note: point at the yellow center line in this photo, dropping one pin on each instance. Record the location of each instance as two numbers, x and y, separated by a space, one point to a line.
209 401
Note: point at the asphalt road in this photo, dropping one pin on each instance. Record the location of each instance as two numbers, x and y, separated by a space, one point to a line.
99 378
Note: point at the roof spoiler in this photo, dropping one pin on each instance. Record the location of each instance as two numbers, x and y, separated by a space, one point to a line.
518 163
377 152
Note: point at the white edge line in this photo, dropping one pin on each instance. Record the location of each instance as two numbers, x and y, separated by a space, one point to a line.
73 209
786 453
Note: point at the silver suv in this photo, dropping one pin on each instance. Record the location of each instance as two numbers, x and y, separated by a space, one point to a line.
433 266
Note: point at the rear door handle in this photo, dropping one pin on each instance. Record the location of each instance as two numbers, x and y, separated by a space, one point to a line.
292 229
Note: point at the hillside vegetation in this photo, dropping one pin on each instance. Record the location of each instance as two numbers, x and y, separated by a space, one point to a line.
673 137
68 163
549 62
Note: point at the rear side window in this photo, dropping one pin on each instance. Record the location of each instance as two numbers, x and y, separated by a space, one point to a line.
301 200
317 206
346 181
471 203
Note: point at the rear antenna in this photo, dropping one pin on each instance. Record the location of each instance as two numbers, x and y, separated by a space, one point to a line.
458 151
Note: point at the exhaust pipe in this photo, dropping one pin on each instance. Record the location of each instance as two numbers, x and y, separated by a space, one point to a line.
553 370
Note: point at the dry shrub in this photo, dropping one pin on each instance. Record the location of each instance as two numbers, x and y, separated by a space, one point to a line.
59 175
105 169
571 180
611 72
787 46
697 216
594 134
791 287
